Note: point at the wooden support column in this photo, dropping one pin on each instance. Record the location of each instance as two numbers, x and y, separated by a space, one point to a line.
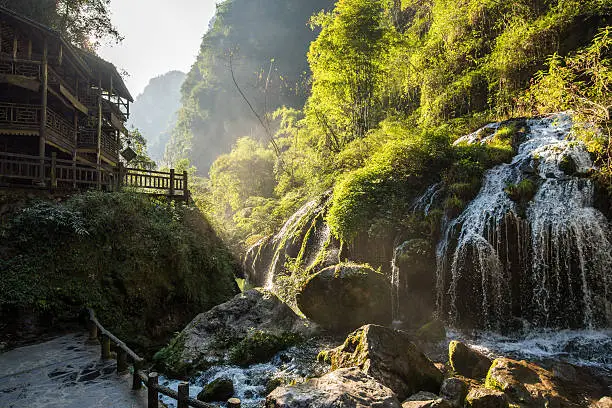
136 381
183 395
185 187
43 113
105 348
30 49
122 366
153 396
99 147
15 44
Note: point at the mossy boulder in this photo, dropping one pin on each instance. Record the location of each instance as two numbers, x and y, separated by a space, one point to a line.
433 331
467 361
390 357
481 397
220 389
344 388
530 385
425 400
250 328
454 390
343 297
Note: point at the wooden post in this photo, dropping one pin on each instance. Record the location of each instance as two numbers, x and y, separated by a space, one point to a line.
15 45
136 381
171 182
119 176
43 113
93 333
122 365
30 50
98 150
53 170
105 348
185 187
183 395
233 403
152 384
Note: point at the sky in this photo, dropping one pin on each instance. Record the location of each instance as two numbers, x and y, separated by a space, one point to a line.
160 36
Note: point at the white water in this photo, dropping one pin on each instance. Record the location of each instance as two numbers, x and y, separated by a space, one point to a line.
562 245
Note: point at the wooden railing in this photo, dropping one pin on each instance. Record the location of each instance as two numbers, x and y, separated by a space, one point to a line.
25 68
171 184
54 173
139 376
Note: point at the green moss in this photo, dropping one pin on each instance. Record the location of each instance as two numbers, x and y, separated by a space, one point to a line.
522 192
490 381
170 360
433 331
259 346
568 165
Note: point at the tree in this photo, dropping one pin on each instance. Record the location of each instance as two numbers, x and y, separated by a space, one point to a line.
85 23
136 141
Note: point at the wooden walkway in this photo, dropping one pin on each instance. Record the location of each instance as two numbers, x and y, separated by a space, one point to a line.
50 172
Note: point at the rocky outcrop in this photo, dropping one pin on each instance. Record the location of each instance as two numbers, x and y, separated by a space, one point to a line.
425 400
481 397
344 388
250 328
390 357
466 361
346 296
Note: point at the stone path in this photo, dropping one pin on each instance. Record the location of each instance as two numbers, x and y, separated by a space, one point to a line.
65 373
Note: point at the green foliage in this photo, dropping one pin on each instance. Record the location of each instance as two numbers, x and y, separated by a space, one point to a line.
136 141
522 192
119 253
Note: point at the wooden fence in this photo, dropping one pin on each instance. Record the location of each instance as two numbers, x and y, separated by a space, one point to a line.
55 173
97 332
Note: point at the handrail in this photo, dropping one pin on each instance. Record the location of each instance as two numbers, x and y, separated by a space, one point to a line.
140 377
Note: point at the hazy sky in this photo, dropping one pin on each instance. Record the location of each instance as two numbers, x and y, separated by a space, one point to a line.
160 36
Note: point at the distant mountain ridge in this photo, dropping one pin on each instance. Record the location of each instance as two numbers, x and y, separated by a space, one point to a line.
154 111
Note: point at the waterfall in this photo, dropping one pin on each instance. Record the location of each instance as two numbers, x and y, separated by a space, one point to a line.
548 263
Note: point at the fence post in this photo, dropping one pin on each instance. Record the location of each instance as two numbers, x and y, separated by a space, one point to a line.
171 182
93 333
119 176
136 381
53 170
152 384
183 395
122 366
105 347
233 403
185 187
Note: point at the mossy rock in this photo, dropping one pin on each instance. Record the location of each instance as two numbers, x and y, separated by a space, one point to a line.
343 297
220 389
466 361
260 346
433 331
481 397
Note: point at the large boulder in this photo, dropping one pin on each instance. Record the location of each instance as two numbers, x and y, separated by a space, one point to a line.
250 328
390 357
220 389
346 296
466 361
344 388
454 390
530 385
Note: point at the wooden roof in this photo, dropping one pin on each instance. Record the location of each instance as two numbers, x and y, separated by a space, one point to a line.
90 65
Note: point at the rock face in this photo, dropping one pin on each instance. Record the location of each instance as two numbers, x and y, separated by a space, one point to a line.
466 361
220 389
250 328
485 398
390 357
346 296
433 331
344 388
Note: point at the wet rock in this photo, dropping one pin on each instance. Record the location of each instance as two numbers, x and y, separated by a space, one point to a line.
220 389
454 390
433 331
343 297
344 388
605 402
254 325
486 398
528 384
466 361
425 400
390 357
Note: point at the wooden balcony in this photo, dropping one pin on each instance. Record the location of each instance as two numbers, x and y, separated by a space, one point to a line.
109 146
25 120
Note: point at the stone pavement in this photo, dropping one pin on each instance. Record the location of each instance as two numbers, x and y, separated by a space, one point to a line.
64 372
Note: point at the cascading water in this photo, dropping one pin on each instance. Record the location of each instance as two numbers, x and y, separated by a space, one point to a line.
548 263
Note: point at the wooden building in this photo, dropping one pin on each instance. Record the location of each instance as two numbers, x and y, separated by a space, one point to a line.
60 105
